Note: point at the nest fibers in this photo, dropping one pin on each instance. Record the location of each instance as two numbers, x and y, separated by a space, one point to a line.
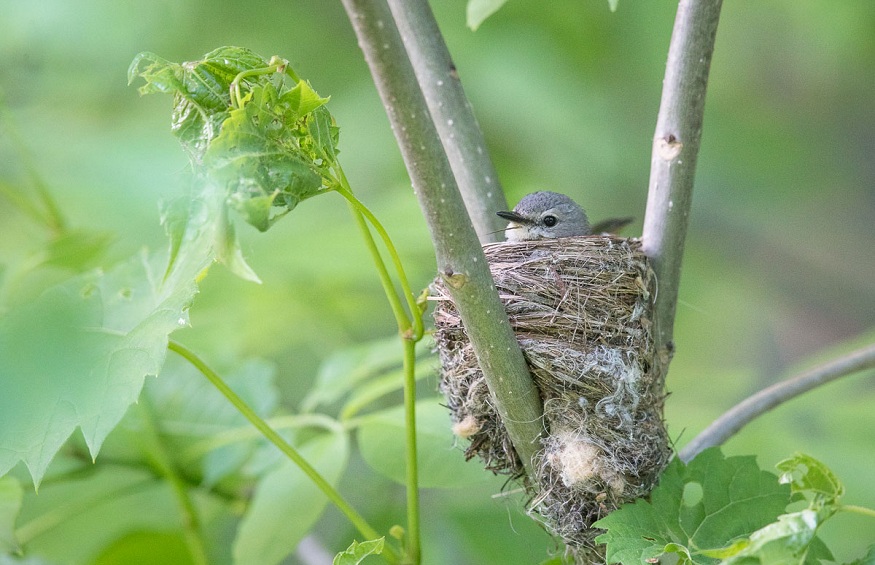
580 308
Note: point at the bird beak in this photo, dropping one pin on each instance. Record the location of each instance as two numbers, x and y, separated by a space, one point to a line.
514 217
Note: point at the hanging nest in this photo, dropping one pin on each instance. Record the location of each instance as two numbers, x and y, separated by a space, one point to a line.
581 311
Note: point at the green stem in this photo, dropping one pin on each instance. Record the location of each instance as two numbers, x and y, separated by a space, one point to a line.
163 461
361 212
275 65
401 318
858 510
335 497
247 433
409 297
413 530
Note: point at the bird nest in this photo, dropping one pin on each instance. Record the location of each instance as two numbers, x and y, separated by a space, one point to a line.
581 311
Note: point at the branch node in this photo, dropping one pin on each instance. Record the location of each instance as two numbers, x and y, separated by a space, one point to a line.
453 279
669 147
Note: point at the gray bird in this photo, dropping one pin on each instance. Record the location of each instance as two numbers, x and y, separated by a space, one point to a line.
547 215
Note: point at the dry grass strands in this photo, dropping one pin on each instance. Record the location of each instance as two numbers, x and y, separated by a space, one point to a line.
580 308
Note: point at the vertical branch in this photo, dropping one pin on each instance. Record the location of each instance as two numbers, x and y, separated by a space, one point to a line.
453 116
460 258
673 161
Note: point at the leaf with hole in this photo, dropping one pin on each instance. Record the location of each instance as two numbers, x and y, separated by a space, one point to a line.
696 511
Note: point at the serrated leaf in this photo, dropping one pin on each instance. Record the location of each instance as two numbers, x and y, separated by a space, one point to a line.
11 495
808 476
737 498
287 503
382 443
356 552
271 146
302 99
77 355
200 88
479 10
258 156
325 134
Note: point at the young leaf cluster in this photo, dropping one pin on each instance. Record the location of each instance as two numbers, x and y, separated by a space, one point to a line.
727 511
252 125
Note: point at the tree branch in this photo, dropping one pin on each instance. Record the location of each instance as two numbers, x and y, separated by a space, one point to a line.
460 258
754 406
673 160
453 116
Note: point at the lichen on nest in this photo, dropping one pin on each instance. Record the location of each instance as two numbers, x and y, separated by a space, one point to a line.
580 308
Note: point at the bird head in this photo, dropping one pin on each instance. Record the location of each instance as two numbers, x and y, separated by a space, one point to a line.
545 215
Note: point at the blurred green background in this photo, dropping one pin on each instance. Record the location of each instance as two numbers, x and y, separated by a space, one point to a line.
780 258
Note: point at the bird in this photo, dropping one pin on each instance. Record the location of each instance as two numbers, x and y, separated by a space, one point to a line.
549 215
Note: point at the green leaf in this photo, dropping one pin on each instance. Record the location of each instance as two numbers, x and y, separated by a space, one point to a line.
227 245
271 146
11 495
373 389
77 250
783 542
196 420
108 502
78 354
479 10
356 552
146 548
808 476
344 369
382 443
868 559
325 134
737 498
612 4
258 155
201 91
286 503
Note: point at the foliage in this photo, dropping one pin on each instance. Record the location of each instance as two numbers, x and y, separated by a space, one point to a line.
480 10
726 510
357 551
117 322
770 164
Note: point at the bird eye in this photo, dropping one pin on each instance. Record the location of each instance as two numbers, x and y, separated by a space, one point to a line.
550 221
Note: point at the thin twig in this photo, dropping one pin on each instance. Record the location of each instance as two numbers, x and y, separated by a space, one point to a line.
156 450
453 116
459 256
673 160
744 412
272 436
